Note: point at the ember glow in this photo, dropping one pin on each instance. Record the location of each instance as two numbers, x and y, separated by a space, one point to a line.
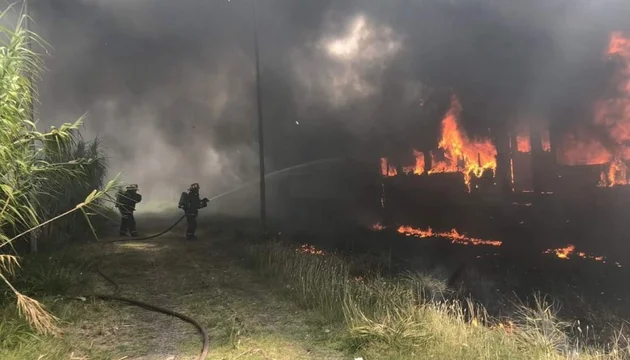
546 141
377 227
569 251
310 249
453 235
522 143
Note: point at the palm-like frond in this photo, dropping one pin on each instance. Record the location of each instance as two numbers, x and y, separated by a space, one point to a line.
46 178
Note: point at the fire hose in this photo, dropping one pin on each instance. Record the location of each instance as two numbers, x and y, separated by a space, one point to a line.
150 307
202 330
148 237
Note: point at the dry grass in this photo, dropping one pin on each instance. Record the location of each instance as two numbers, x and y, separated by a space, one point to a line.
246 320
39 318
412 316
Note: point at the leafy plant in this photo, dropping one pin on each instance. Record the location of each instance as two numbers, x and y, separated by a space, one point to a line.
44 176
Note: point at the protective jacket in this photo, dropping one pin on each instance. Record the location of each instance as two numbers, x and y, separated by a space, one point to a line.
126 201
191 203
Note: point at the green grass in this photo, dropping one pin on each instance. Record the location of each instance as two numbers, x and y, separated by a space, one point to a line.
414 316
340 314
62 273
245 318
54 279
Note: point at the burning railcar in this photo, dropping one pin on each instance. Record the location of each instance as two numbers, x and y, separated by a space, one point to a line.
525 182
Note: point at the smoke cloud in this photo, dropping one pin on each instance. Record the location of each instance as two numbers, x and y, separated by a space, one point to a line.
169 86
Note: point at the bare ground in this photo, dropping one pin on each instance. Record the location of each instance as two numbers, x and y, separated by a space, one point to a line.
244 316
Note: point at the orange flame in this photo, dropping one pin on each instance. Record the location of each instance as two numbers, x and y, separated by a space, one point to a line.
612 118
616 174
387 170
461 154
523 143
453 235
613 114
418 167
579 149
562 253
546 142
569 250
477 156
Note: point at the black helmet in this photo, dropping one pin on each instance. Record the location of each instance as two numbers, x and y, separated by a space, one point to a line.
194 187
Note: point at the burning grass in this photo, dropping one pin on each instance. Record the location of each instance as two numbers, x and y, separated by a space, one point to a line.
457 238
412 315
568 252
454 236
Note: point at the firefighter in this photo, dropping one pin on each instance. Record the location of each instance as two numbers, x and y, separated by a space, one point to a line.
126 203
190 203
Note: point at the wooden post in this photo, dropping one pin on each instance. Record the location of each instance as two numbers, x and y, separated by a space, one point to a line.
503 173
554 143
535 141
428 161
261 137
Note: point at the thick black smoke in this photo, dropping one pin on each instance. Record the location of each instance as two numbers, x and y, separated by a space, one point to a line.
170 85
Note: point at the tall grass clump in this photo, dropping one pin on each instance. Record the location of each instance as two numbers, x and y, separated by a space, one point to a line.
416 316
91 163
37 169
314 282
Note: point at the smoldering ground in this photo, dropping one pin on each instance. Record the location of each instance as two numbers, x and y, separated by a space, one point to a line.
169 86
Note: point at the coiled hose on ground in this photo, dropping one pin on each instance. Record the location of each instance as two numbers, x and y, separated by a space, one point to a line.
150 307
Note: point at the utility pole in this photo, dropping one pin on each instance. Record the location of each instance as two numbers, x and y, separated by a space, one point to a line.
31 114
261 143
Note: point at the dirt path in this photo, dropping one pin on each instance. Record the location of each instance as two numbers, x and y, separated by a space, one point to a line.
246 320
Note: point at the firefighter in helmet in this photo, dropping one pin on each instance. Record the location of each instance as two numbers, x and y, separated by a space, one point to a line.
190 203
126 203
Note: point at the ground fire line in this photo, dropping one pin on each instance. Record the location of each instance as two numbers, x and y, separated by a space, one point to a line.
456 237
